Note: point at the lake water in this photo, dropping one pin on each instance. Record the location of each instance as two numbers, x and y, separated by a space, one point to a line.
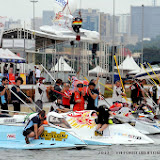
114 152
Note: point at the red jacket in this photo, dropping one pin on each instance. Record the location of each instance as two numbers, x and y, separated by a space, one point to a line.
66 101
78 106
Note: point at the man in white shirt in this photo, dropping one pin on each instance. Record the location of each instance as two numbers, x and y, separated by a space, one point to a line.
117 93
40 94
37 73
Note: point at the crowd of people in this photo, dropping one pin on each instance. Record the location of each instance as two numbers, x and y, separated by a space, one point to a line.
64 97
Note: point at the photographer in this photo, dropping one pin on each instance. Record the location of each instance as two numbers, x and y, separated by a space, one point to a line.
3 94
92 97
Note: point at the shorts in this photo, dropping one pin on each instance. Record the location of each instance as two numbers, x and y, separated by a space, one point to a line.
4 107
37 78
134 99
16 106
102 121
27 132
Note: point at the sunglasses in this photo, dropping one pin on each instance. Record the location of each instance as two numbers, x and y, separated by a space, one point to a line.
80 85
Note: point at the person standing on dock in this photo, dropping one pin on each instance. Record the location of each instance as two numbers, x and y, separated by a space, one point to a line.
16 90
39 94
5 70
67 95
3 95
141 93
37 73
92 96
135 91
118 93
154 92
58 87
78 98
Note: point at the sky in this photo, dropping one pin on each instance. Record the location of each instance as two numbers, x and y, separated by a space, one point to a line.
22 9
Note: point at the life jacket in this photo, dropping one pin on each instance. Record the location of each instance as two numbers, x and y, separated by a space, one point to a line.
78 106
137 89
66 101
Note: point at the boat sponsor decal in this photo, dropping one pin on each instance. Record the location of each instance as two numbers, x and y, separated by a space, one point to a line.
54 135
81 119
9 120
101 137
11 136
129 136
156 126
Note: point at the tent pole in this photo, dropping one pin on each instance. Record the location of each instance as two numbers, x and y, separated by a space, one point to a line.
73 59
88 57
55 56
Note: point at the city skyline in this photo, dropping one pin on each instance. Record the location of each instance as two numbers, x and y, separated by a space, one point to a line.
25 13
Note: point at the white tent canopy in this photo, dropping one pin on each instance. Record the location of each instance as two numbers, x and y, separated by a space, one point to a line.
97 70
8 56
128 64
62 66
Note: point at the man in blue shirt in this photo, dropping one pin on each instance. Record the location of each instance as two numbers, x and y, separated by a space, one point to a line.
3 94
34 127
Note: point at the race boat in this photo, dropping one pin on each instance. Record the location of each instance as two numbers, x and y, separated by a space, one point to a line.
11 129
83 124
62 23
142 121
148 72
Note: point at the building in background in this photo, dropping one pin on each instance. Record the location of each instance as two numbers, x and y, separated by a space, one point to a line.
10 24
38 23
101 22
151 21
48 17
124 24
90 19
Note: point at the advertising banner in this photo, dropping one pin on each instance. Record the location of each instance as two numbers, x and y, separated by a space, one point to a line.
23 76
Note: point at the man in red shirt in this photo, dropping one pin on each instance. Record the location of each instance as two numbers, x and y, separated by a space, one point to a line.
78 98
67 96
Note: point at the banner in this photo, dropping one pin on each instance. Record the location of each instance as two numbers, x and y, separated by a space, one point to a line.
23 76
18 43
11 78
2 23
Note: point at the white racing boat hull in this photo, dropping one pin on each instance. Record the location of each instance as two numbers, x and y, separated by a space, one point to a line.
147 128
143 124
83 124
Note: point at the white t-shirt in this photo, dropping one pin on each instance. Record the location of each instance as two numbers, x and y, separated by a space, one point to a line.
39 96
158 91
117 91
38 73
